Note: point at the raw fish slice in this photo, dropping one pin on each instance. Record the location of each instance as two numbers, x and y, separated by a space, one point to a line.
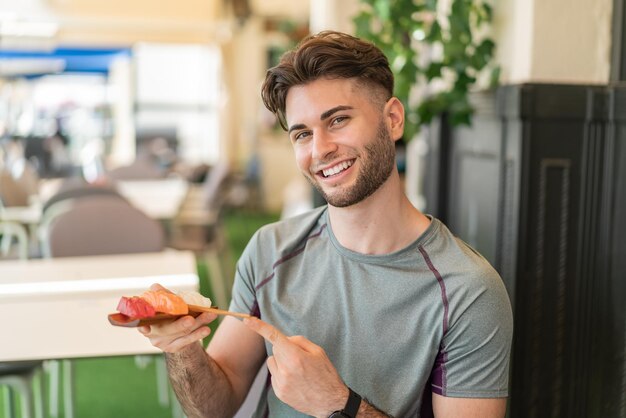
166 302
135 307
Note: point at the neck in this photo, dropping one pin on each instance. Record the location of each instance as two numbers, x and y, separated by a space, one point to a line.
383 223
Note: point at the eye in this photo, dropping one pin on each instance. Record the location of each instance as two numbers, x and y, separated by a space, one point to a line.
301 135
338 120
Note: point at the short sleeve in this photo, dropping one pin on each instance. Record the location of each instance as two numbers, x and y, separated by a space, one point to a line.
244 292
473 358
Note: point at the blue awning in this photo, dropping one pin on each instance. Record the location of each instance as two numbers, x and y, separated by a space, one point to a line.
63 59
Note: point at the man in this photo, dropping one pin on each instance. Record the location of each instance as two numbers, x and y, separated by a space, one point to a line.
367 307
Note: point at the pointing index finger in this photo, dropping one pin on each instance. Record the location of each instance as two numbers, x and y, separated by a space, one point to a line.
265 330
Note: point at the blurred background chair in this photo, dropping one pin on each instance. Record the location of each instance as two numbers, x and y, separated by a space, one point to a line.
98 225
75 187
70 191
24 377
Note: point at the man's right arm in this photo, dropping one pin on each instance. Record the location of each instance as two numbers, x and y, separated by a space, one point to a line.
199 383
214 382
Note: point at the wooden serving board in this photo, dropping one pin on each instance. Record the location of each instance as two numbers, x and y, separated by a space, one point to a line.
121 320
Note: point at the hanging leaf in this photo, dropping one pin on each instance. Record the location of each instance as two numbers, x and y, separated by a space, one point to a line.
488 12
486 49
463 81
433 71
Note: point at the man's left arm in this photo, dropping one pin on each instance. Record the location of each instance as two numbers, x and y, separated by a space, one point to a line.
447 407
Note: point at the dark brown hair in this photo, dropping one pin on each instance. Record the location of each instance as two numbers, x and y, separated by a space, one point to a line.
330 55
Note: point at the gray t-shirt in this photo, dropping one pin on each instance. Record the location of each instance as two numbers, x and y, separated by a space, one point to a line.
433 317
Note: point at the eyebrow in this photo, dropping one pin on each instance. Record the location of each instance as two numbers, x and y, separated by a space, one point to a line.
296 126
334 110
324 115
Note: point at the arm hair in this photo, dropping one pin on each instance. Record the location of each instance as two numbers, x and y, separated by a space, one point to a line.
201 386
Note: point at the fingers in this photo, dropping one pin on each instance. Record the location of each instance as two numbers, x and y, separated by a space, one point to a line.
279 341
144 329
182 325
267 331
306 344
170 345
173 335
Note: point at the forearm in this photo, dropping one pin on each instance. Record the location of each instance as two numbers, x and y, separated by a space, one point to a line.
368 410
201 386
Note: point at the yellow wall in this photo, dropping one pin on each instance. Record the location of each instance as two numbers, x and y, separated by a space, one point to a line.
188 10
124 22
566 41
572 41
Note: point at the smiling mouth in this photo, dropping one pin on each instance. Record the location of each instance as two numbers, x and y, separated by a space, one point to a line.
344 165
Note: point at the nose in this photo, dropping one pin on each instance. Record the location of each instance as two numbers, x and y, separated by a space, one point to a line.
323 146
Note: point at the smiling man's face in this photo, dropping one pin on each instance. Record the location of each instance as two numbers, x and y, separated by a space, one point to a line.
342 144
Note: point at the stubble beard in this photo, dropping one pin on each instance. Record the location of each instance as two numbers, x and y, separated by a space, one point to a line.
374 171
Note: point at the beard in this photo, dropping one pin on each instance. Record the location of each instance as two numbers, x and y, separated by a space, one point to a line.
375 169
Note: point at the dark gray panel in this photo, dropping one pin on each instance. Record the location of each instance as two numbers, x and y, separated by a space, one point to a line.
538 186
476 202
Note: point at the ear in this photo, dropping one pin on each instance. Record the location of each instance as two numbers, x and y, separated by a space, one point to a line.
394 115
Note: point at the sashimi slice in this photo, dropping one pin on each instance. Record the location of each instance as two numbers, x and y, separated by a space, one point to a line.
135 307
194 298
166 302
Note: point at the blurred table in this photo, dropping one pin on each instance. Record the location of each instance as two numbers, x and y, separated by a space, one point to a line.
57 308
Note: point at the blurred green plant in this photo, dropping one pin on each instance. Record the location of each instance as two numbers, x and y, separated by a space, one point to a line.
437 50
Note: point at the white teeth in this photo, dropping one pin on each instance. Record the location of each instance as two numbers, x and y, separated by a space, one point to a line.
336 169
